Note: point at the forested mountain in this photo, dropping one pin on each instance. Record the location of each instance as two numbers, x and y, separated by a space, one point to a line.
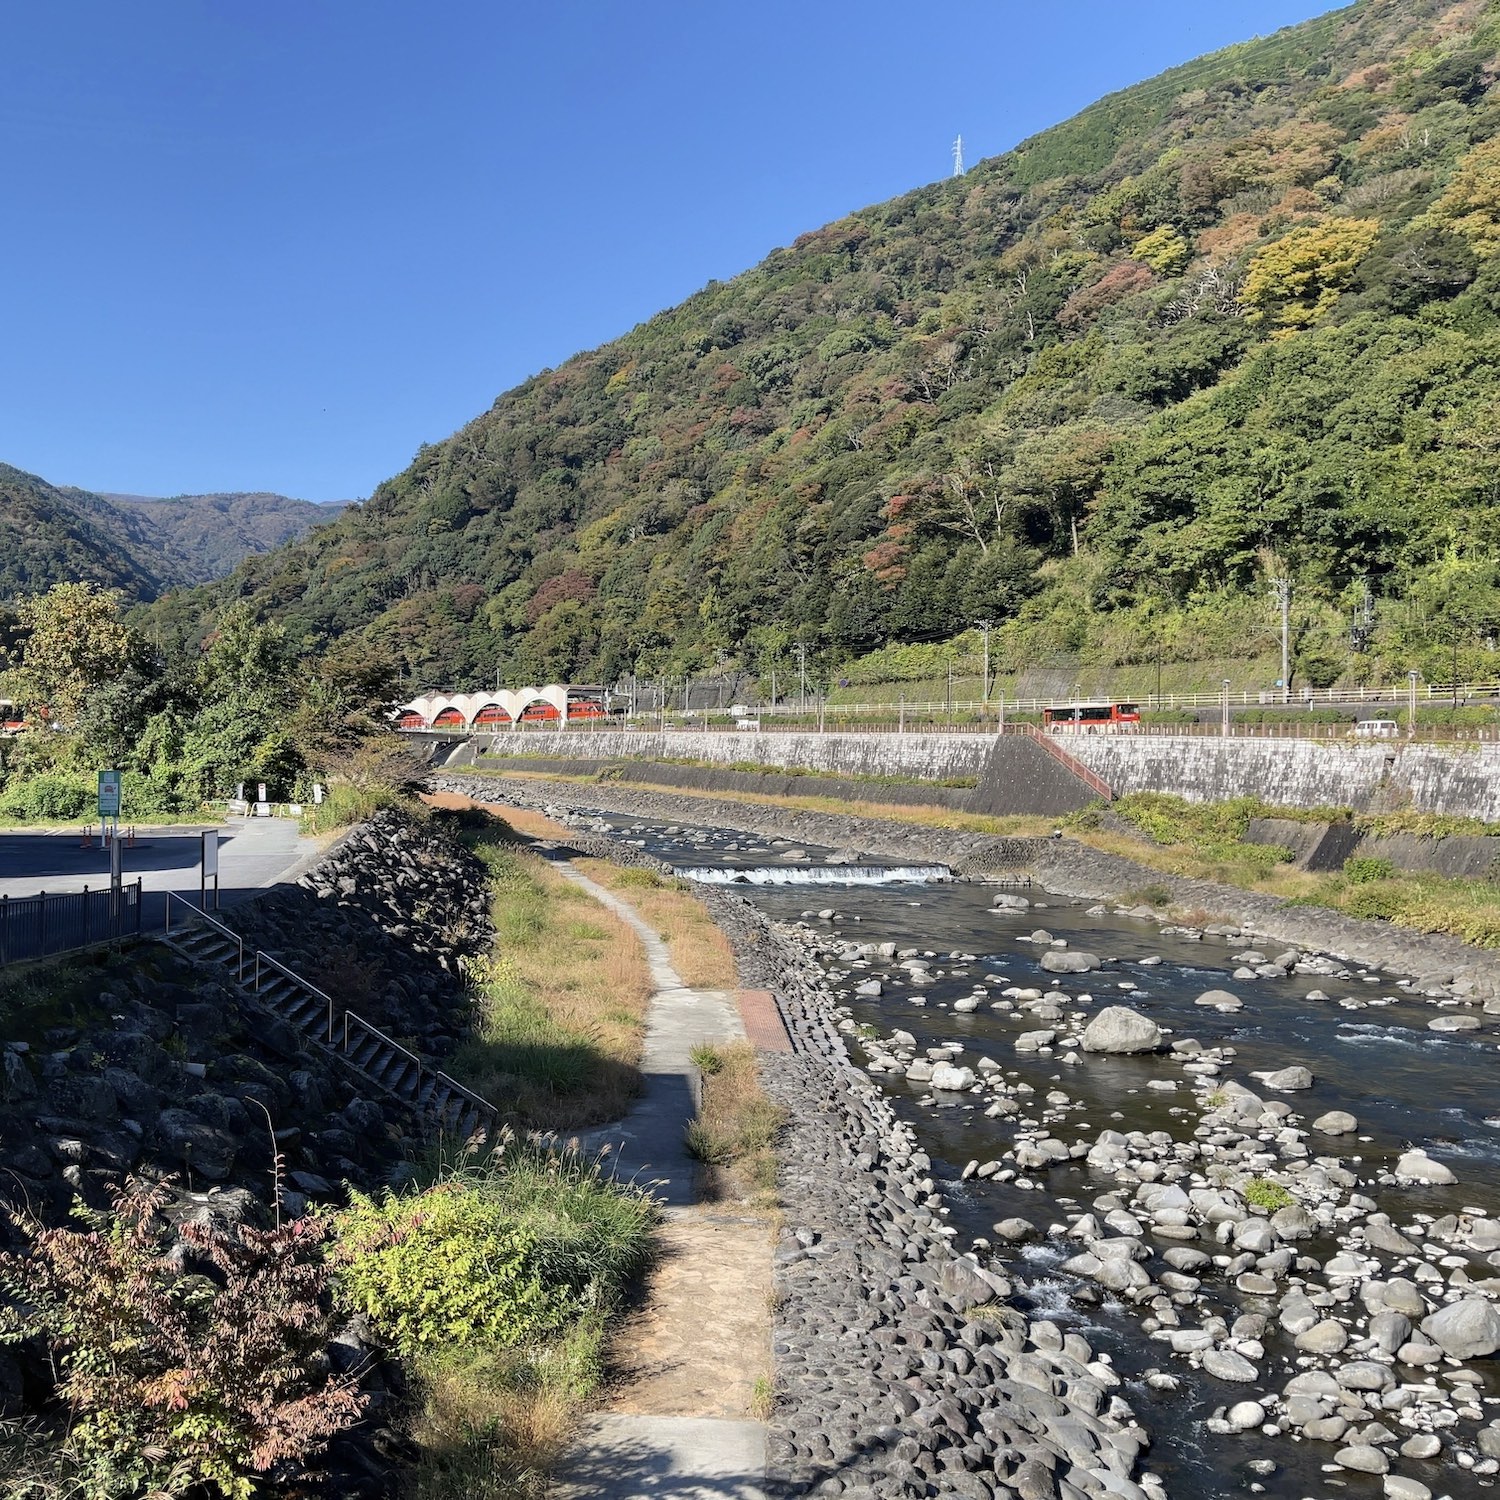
1238 323
49 535
209 535
141 546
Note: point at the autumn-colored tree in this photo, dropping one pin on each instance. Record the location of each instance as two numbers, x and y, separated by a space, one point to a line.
178 1381
1164 250
75 641
1295 281
1471 203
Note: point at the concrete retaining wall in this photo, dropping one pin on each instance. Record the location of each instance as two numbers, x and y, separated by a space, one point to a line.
1458 780
707 779
932 757
1464 781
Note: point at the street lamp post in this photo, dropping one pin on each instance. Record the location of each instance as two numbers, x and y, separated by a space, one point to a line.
1226 708
1411 704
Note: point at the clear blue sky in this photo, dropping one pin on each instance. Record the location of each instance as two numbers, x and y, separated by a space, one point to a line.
279 244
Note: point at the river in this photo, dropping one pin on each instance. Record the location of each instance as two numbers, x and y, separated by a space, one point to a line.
1368 1047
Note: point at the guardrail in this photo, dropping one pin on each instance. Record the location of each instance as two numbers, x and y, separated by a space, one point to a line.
997 707
52 923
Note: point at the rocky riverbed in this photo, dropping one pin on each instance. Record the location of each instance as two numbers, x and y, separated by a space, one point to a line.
1257 1183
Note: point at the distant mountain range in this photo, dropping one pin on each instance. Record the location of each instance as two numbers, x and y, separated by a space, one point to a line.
143 545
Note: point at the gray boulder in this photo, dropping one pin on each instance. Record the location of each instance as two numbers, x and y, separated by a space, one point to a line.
1070 961
1119 1029
1467 1329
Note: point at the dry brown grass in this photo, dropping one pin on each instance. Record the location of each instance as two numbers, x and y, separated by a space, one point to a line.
561 1005
737 1125
481 1435
700 952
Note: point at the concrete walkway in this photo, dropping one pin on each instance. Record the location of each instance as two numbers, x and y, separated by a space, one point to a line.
623 1455
647 1144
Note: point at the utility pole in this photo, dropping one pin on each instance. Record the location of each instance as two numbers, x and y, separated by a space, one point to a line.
1226 708
801 651
773 687
985 626
1283 589
1411 704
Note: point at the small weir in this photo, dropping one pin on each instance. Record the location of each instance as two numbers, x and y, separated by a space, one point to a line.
814 875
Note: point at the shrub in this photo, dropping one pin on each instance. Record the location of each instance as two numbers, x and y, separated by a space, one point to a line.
1365 868
1261 1192
175 1381
506 1252
50 797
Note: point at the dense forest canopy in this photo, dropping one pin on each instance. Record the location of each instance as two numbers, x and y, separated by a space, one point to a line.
1240 323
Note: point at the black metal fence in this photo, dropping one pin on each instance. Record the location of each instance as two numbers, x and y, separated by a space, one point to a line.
50 923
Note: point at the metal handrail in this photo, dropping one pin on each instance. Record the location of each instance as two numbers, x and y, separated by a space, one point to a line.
380 1036
287 973
202 916
468 1094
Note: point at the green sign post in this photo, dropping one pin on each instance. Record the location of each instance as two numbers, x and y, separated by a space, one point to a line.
109 803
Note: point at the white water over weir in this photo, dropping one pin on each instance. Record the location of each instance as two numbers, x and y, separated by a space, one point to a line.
814 875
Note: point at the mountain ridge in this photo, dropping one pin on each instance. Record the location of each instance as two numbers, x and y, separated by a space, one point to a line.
1233 324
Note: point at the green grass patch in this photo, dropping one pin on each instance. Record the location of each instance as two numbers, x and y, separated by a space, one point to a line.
498 1280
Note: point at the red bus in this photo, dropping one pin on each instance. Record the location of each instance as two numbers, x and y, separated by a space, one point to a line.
1091 718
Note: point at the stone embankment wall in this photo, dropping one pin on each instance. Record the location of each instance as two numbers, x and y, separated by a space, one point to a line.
1461 780
930 757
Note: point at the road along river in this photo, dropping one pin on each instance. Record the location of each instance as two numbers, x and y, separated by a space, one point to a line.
1265 1181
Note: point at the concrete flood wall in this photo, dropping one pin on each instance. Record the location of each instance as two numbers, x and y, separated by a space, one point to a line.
1012 774
1461 780
929 757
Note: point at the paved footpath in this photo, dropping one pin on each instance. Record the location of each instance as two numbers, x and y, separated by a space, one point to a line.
708 1297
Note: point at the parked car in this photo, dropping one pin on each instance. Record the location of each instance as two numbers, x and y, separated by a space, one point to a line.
1376 729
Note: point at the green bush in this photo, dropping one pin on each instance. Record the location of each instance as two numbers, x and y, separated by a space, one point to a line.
1362 869
1261 1192
506 1253
50 797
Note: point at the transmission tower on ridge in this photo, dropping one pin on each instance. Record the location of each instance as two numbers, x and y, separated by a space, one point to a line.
958 157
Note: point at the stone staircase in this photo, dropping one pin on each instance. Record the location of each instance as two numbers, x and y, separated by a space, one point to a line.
447 1107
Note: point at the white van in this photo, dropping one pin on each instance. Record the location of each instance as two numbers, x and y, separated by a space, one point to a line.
1376 729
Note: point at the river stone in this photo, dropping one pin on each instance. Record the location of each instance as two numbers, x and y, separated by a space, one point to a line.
1399 1487
1336 1122
1423 1445
1245 1416
1119 1029
951 1079
1468 1329
1453 1023
1225 1364
1287 1080
1070 961
1220 1000
1402 1295
1417 1166
1327 1337
1363 1459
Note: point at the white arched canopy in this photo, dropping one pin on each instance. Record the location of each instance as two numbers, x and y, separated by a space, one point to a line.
464 708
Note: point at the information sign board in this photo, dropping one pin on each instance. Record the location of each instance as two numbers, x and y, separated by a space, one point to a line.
109 794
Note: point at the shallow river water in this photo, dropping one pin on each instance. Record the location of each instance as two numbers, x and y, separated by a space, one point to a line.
1368 1048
